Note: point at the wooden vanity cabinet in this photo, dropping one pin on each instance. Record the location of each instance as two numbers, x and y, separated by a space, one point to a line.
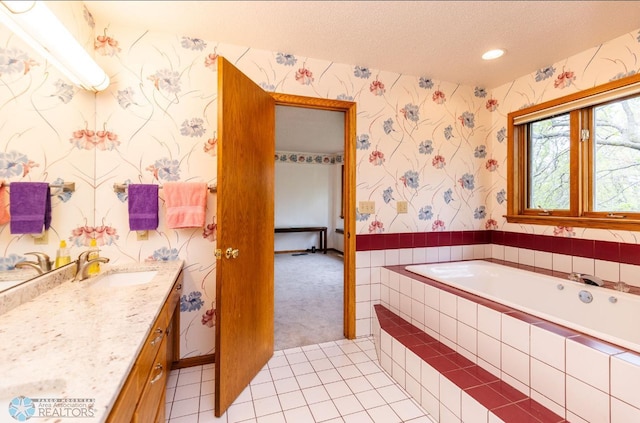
142 399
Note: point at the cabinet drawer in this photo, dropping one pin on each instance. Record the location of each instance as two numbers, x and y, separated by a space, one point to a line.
152 346
154 388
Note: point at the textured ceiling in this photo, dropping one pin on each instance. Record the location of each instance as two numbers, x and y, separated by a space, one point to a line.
442 40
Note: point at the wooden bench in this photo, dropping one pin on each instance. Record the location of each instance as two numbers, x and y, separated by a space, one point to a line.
322 230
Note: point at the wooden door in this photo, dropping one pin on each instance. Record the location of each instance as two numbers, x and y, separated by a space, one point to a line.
244 284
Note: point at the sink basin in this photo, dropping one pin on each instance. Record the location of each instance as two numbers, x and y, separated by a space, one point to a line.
119 279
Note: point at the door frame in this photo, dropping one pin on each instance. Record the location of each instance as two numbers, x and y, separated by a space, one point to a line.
348 196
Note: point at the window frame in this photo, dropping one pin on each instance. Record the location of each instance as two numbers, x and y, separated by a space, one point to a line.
580 213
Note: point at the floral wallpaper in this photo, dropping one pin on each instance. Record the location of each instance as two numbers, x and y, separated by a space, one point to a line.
438 145
308 158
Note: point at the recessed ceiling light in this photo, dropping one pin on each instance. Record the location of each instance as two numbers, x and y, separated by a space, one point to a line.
493 54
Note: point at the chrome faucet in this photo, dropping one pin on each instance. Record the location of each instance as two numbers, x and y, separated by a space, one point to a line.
43 263
586 279
84 263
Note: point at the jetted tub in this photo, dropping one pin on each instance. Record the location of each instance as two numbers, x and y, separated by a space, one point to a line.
611 315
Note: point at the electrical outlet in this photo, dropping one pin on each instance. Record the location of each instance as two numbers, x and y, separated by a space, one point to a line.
142 235
367 207
402 207
41 239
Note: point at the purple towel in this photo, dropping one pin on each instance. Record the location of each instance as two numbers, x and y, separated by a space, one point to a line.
30 207
143 207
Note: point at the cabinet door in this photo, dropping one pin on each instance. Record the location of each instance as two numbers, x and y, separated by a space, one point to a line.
244 278
154 388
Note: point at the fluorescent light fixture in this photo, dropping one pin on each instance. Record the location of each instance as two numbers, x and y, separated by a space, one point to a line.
34 22
493 54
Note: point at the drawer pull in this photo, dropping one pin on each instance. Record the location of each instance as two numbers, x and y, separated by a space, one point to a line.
158 338
159 375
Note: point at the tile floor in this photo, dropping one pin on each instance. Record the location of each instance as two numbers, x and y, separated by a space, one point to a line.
331 382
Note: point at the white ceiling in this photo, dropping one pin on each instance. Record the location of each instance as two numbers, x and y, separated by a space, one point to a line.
442 40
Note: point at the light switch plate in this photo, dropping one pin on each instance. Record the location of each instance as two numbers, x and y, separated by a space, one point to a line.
367 207
42 239
402 207
142 235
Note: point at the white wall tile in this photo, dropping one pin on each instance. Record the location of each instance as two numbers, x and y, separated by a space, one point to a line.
481 251
543 259
490 368
573 418
432 319
432 254
584 265
444 254
515 333
607 270
399 374
467 312
417 312
384 295
548 347
398 352
391 257
363 292
417 290
511 254
547 403
385 342
405 256
375 275
562 263
377 258
430 379
489 349
386 362
448 328
587 402
405 285
363 327
384 276
394 301
622 412
405 307
489 321
431 404
413 387
526 256
515 383
450 396
363 276
448 303
472 410
629 274
363 259
588 364
467 338
494 419
497 252
468 252
394 281
456 253
432 297
548 381
515 363
363 310
420 255
375 293
625 380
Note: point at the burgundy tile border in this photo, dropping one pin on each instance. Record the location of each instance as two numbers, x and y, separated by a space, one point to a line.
488 390
602 250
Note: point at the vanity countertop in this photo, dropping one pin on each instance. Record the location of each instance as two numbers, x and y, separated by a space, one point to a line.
79 340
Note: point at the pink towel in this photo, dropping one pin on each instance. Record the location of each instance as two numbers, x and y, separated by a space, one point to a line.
186 204
5 216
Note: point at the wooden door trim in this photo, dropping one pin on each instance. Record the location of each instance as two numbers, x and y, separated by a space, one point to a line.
349 195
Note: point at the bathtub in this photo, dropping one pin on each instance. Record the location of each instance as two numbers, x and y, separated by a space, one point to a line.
611 315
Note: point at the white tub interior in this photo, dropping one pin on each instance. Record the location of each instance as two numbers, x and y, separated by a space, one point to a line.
611 316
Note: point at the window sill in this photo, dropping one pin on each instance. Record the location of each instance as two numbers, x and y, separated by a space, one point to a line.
578 222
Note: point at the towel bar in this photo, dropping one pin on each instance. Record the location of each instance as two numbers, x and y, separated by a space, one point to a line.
66 186
123 187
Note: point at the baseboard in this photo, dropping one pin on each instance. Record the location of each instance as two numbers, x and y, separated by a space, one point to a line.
194 361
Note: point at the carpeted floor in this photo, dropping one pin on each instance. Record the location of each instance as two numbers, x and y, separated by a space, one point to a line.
308 299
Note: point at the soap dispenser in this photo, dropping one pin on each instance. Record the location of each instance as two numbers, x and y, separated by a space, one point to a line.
63 256
94 253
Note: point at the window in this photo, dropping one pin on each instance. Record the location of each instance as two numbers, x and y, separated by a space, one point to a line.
575 161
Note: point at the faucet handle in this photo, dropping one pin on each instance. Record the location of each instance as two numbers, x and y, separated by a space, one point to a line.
43 260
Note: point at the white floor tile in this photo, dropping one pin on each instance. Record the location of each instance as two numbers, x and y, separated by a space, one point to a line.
333 382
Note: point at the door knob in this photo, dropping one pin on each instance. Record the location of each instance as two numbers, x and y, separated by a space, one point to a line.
231 252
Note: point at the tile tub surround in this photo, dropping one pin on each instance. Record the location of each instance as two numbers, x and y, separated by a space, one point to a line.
80 339
574 375
447 384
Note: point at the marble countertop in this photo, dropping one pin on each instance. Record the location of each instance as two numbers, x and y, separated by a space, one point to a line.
79 340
